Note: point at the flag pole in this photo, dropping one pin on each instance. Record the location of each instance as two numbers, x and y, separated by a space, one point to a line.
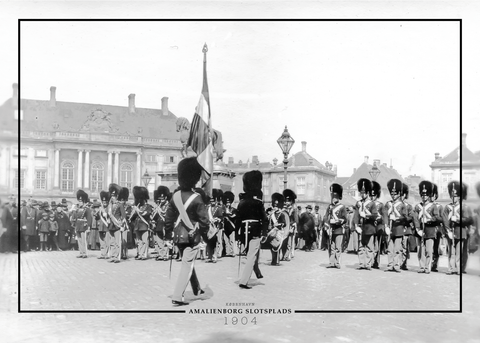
208 186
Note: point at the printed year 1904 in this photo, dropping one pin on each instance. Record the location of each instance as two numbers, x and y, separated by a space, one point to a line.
240 321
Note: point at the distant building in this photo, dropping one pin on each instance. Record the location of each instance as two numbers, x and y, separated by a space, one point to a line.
307 177
447 168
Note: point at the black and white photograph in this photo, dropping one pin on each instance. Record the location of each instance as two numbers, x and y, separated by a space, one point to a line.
242 177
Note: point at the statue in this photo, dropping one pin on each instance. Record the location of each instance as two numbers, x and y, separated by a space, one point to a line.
99 121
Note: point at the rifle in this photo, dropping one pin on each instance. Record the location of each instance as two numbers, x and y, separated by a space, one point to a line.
170 251
329 230
239 257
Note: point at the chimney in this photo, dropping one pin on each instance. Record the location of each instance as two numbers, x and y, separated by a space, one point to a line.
165 106
230 160
464 140
53 100
255 160
376 162
385 165
304 146
437 156
366 159
15 95
131 104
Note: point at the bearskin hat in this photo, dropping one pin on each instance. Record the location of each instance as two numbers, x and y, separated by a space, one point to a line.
140 194
252 181
217 194
228 197
395 186
405 190
454 189
277 200
376 189
364 185
124 194
257 194
434 191
163 191
336 189
425 188
104 196
289 195
114 190
81 195
189 172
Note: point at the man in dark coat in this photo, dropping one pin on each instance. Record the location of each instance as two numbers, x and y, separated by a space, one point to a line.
307 223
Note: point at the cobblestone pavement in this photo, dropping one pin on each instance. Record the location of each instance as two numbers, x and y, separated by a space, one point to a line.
58 281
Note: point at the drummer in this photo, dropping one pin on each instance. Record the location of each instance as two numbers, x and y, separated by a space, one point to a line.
278 225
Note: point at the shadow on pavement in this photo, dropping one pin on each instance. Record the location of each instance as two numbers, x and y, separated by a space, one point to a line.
226 337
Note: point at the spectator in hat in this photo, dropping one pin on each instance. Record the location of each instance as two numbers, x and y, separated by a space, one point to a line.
5 224
53 234
65 230
43 230
29 218
307 223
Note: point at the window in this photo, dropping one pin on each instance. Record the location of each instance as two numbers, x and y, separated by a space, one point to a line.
41 179
23 152
126 176
19 179
169 159
446 178
40 153
151 158
265 187
97 176
67 177
301 185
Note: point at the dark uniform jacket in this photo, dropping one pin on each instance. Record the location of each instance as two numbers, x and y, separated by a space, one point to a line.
440 228
293 217
410 222
141 217
229 220
82 219
380 225
29 218
370 209
459 229
251 209
397 225
158 216
116 213
101 217
429 215
339 213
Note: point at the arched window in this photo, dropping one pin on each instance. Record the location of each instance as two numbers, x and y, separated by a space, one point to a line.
126 176
67 177
98 172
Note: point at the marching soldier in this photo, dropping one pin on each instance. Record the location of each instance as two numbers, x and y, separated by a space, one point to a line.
116 215
187 216
229 223
124 231
364 221
102 224
141 217
163 238
409 225
253 223
82 221
333 222
215 213
288 246
440 230
395 219
278 226
425 216
379 225
457 218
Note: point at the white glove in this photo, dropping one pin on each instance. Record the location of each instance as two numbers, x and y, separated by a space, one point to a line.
392 216
358 229
332 221
454 219
450 235
362 214
387 230
420 233
24 227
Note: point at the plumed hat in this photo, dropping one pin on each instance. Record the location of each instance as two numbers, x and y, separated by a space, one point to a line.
289 195
434 191
81 195
124 193
425 188
114 190
228 197
405 190
217 194
252 181
140 194
394 186
189 172
163 191
277 200
336 189
104 196
364 185
376 189
454 189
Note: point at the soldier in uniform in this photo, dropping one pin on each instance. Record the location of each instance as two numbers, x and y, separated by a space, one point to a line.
116 215
141 217
440 230
189 171
379 225
101 216
395 219
124 231
82 221
409 225
278 220
333 222
307 223
426 217
229 223
288 246
163 239
215 213
253 223
29 220
364 221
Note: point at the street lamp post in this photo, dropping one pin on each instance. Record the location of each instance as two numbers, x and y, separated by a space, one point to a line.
374 172
146 178
285 142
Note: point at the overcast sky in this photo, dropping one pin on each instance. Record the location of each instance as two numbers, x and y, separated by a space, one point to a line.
389 90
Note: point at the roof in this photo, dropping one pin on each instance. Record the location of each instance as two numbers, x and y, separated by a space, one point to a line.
341 180
363 170
71 116
454 157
